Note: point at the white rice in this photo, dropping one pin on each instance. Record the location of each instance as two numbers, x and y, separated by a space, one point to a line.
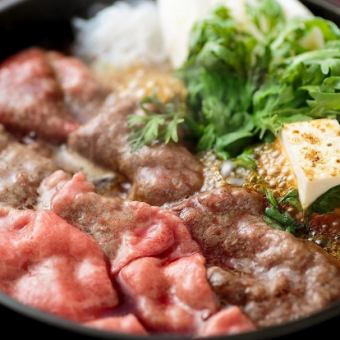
122 34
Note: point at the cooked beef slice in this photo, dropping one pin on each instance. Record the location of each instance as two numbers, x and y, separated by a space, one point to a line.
107 182
122 324
159 174
31 98
124 230
5 138
176 297
272 275
51 265
160 272
21 172
39 146
82 93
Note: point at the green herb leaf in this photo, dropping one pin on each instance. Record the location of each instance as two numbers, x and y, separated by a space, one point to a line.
271 198
159 122
292 198
328 202
246 160
268 17
275 217
221 81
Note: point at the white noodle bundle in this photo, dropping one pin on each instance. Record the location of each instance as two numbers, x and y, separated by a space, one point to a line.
121 34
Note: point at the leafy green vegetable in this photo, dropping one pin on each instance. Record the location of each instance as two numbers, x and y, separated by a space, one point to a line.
278 219
300 36
246 160
159 123
271 199
304 87
328 202
243 85
292 198
267 17
221 74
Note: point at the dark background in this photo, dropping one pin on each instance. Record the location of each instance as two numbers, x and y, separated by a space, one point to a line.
15 326
46 22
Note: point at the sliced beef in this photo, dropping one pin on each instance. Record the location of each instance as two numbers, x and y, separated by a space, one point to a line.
176 297
5 138
211 216
82 93
228 321
123 324
159 174
124 230
21 172
31 98
164 299
158 267
272 275
106 181
51 265
38 145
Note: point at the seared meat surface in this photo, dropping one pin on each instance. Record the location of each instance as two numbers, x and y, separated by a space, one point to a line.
159 174
82 93
21 172
31 98
272 275
48 93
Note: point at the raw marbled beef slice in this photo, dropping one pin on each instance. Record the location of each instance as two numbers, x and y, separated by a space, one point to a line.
51 265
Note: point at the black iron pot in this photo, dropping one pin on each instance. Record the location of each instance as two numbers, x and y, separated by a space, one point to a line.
46 23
